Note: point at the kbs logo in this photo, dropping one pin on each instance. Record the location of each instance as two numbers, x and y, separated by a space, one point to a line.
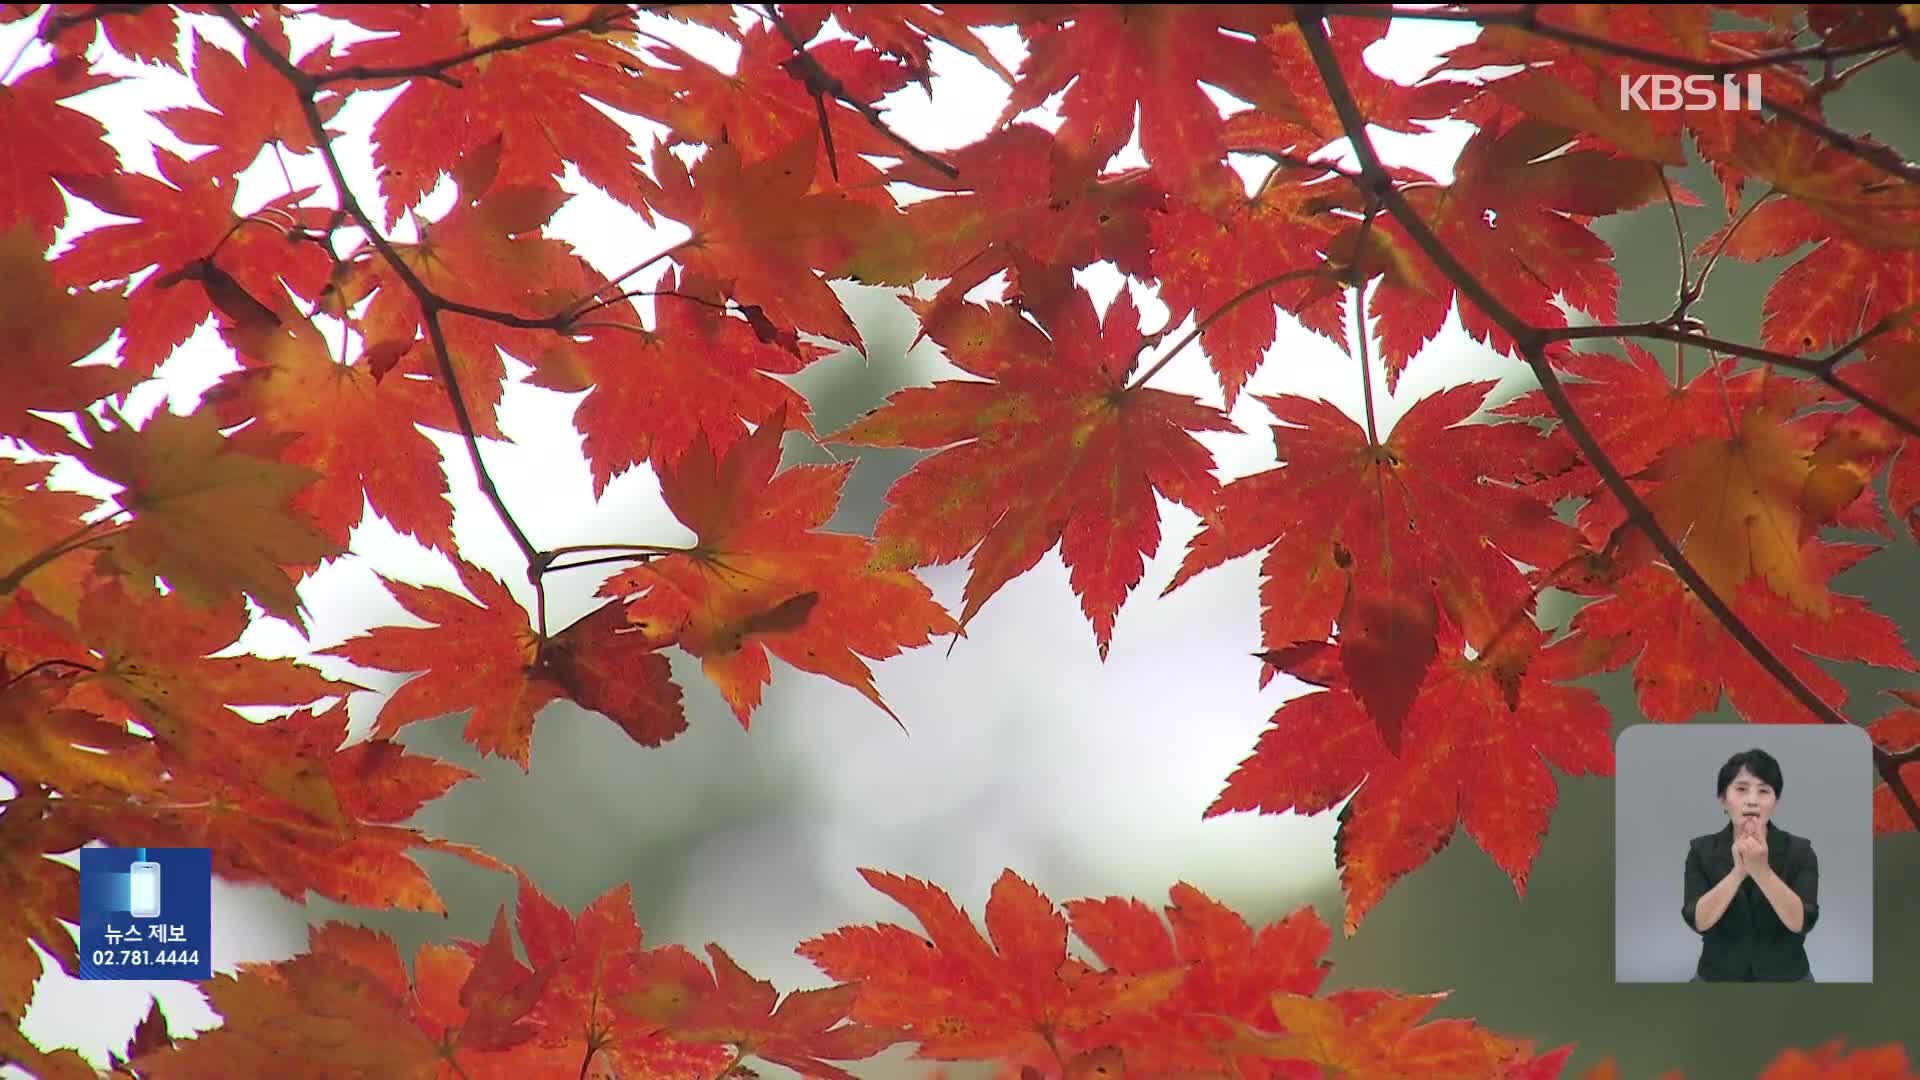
1694 93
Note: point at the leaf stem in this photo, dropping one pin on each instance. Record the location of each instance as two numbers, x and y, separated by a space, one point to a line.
586 303
1250 291
1366 368
73 541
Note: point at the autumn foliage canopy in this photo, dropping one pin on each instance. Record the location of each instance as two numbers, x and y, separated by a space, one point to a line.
1684 485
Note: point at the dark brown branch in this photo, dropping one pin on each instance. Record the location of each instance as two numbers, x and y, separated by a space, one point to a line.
1822 369
60 22
1526 19
1532 344
1879 155
431 303
819 80
599 22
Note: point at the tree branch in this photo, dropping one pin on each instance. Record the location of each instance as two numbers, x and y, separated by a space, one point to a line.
431 303
1525 18
599 22
1532 343
819 80
1821 369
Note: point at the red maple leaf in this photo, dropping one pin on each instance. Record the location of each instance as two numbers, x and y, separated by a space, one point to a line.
682 1000
206 256
1056 449
252 106
534 99
1515 215
1110 61
1683 658
1373 537
46 139
1474 751
1232 972
1897 732
1023 199
626 420
1207 256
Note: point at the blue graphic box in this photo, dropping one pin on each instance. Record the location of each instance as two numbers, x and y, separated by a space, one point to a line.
146 913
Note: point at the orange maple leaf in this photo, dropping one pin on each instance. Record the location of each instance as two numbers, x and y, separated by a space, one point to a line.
1377 1033
46 329
681 999
354 431
762 228
760 579
186 485
507 674
962 997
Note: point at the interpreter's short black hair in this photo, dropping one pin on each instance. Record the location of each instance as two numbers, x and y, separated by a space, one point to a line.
1759 763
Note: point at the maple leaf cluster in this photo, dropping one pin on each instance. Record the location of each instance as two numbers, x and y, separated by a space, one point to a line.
1401 571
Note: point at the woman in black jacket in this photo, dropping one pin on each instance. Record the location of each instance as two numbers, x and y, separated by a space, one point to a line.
1752 889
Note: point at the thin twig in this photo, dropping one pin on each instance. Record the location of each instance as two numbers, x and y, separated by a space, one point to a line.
821 81
43 666
1532 346
1690 292
1686 268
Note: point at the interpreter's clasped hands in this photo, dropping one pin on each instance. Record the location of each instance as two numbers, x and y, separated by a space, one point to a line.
1750 848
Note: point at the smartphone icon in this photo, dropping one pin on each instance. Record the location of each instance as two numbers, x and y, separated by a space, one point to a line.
143 890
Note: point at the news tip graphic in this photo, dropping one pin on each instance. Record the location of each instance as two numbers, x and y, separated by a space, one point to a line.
146 913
